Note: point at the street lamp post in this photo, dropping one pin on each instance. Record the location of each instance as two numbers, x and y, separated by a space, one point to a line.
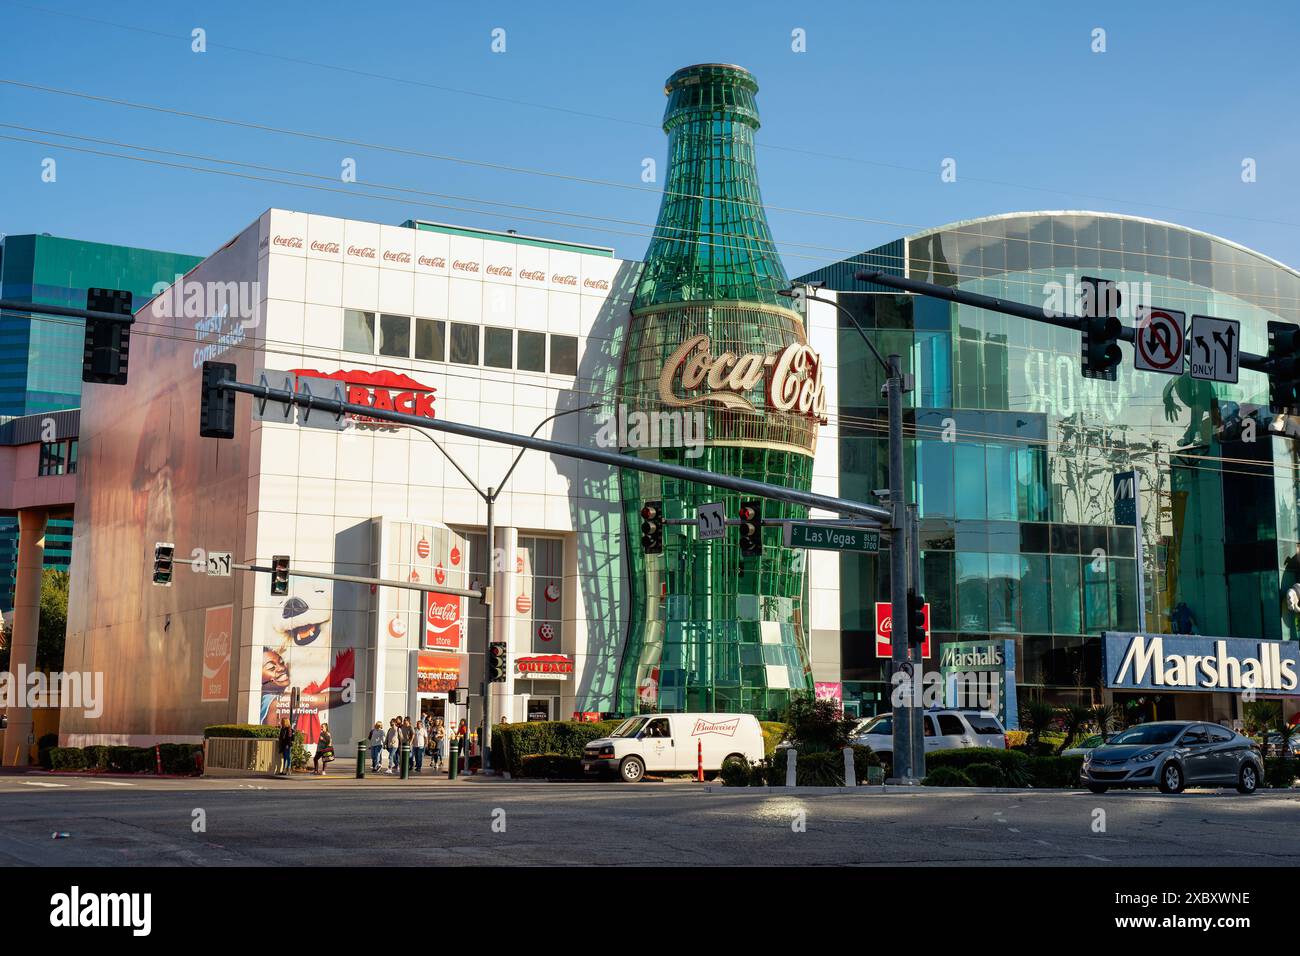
489 499
908 763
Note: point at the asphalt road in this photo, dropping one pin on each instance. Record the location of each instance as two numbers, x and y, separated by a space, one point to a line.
271 822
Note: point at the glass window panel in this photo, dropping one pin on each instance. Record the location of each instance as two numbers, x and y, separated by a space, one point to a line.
532 351
564 355
1004 592
971 496
359 331
936 478
1066 597
1035 593
1001 480
431 340
1096 594
972 591
395 335
498 347
464 343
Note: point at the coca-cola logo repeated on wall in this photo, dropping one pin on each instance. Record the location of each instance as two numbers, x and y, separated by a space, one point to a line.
287 242
504 272
330 248
431 262
465 266
401 258
361 252
533 275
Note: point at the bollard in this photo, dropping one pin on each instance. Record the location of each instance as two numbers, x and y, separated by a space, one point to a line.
406 761
791 758
699 761
850 777
451 761
157 754
361 760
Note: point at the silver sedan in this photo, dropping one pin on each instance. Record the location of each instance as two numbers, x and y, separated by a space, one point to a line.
1171 755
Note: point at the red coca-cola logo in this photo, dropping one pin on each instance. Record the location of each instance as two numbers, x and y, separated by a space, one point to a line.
564 280
402 257
467 266
432 262
595 283
330 247
500 271
288 242
533 275
361 252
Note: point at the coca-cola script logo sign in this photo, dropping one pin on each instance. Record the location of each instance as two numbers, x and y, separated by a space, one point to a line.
442 620
794 377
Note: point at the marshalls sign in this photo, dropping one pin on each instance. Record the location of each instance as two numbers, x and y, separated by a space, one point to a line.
1183 662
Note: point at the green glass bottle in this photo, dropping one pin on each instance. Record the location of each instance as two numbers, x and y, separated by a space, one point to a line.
717 375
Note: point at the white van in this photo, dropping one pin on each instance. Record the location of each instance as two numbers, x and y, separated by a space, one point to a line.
671 743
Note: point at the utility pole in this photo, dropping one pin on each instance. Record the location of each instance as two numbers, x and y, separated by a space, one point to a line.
906 769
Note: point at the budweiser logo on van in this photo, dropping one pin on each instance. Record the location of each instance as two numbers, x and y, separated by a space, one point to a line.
533 275
595 283
564 280
287 242
361 252
329 247
468 266
505 271
402 257
725 727
432 262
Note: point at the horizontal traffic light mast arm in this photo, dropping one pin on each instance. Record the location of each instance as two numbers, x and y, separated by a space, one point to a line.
1247 360
355 579
13 305
832 522
746 486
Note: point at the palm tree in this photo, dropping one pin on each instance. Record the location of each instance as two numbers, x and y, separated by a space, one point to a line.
1106 718
1037 716
1076 717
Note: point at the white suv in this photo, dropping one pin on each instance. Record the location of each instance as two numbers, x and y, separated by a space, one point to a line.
945 729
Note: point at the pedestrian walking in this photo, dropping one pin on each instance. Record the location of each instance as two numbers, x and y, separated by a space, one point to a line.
439 735
376 745
324 751
286 746
393 740
419 741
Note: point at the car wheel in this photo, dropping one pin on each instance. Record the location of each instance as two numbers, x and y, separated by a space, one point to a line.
1098 787
1171 778
1248 779
631 769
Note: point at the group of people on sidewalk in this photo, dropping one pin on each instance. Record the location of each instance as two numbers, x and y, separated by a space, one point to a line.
424 736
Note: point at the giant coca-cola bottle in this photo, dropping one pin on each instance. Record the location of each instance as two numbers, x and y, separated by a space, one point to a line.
717 375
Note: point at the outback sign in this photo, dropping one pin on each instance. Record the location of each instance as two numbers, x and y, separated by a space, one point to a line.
1192 662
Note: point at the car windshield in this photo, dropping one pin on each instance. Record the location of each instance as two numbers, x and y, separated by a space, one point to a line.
1089 742
1149 734
629 727
883 724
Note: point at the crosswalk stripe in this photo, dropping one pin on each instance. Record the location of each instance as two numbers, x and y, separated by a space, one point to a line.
40 783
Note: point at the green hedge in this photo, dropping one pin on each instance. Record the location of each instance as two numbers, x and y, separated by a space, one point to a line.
511 743
551 767
1281 774
821 769
1013 763
1055 772
948 777
260 731
176 759
986 775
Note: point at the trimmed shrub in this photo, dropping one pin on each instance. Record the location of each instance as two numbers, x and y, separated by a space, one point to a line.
241 730
96 757
986 775
180 758
1057 772
735 773
948 777
67 758
511 743
821 769
551 767
1281 774
1013 763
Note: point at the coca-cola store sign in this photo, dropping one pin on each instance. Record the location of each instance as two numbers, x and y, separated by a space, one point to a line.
442 620
795 382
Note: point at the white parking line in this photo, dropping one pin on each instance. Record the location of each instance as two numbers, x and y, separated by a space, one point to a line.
108 783
40 783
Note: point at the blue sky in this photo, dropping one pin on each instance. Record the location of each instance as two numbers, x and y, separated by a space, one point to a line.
858 125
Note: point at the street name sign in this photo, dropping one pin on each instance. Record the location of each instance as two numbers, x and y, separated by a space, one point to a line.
830 537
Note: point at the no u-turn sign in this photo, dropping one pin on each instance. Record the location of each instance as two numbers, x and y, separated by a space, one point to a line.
1158 340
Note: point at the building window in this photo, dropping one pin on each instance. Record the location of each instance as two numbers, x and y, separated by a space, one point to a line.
564 355
57 458
540 570
464 343
532 351
395 336
498 347
431 340
359 331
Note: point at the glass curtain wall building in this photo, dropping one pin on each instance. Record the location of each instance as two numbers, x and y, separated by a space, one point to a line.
1012 454
40 355
711 629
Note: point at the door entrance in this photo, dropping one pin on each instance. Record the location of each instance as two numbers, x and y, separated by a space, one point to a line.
434 706
541 708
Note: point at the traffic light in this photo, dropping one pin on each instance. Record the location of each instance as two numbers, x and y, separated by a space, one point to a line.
217 405
1284 372
163 554
279 575
107 343
915 618
4 721
751 527
497 663
652 527
1101 328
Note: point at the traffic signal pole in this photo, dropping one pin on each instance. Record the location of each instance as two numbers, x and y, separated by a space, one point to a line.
908 765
